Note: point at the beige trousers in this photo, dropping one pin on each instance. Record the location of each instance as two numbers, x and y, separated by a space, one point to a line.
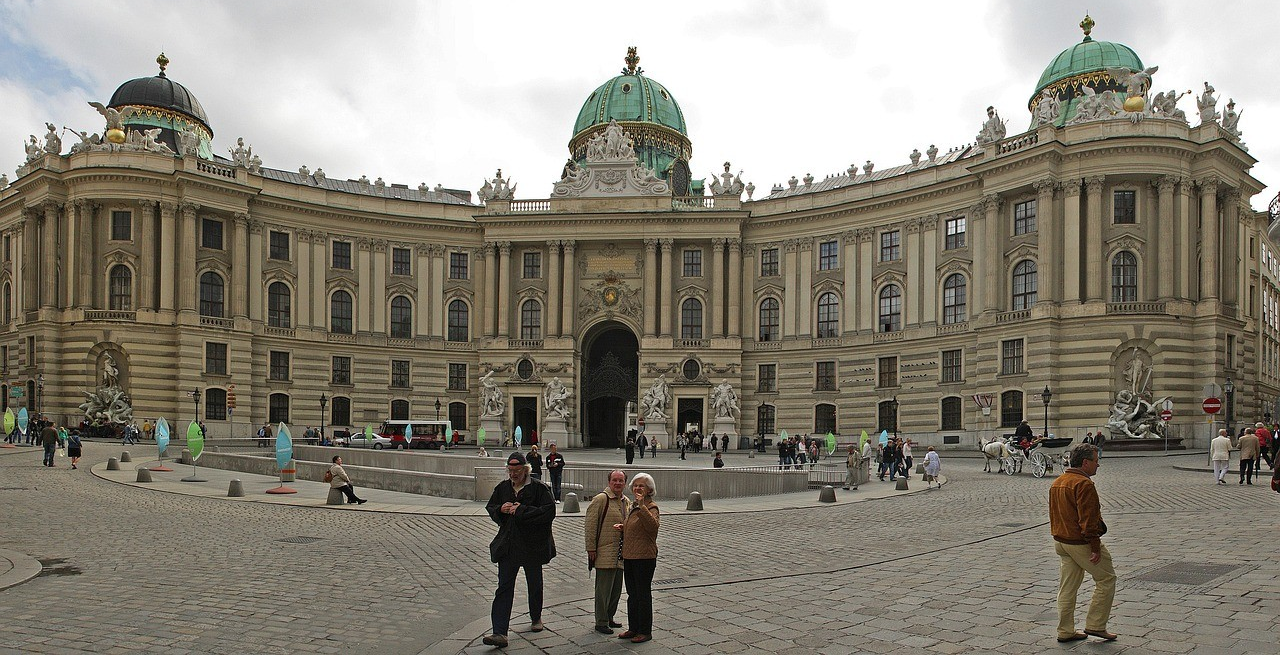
1075 562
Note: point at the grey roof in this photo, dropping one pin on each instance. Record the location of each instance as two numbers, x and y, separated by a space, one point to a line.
843 179
395 191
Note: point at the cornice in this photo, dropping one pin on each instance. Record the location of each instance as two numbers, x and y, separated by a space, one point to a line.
348 217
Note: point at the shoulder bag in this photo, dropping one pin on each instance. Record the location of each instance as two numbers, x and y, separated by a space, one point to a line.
591 562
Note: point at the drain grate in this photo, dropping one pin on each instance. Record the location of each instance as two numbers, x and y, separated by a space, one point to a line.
1186 573
669 581
300 540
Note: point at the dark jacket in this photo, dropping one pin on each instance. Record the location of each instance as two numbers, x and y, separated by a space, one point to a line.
555 464
526 535
1024 430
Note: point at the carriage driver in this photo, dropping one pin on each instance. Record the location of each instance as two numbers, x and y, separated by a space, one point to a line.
1024 436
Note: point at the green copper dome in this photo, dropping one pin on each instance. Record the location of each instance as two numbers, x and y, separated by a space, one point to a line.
631 98
1083 65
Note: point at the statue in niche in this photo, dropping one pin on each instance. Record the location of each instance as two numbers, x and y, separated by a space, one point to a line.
110 373
554 399
724 400
1133 415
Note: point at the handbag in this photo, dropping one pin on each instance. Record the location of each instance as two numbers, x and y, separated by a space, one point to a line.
328 476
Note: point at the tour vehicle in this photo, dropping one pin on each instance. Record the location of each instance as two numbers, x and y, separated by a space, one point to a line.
416 433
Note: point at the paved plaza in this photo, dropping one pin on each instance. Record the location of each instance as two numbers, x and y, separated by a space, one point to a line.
968 568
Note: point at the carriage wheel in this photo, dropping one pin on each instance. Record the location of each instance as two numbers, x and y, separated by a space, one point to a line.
1039 464
1009 465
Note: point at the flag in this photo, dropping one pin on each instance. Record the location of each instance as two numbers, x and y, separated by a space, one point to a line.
284 446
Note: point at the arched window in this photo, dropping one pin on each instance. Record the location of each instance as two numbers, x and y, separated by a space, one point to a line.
769 320
1024 285
399 410
340 312
278 408
458 321
952 413
1010 409
279 305
954 299
824 419
828 316
887 415
401 318
121 288
691 319
211 295
458 415
530 320
765 419
340 411
8 303
1124 277
215 404
890 309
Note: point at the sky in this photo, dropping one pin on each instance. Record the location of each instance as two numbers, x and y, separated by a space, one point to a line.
448 92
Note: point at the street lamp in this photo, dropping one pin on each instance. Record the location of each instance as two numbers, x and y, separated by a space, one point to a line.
1046 396
195 396
324 402
894 404
1230 390
39 393
437 409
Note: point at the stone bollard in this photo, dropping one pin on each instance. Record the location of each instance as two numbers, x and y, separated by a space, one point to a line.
335 497
827 494
695 502
185 458
235 489
920 469
144 475
289 474
124 457
751 454
902 485
571 504
113 464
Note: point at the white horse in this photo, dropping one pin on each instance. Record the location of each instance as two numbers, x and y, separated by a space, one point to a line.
994 449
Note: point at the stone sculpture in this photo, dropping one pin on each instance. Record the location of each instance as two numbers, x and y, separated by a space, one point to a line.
1132 415
993 129
304 171
149 140
932 153
114 117
494 402
34 151
868 167
732 185
87 142
1231 119
4 181
52 142
1207 105
319 176
1166 105
1136 85
499 189
654 403
240 154
1096 106
379 183
110 403
914 156
751 188
724 400
1049 108
188 141
554 399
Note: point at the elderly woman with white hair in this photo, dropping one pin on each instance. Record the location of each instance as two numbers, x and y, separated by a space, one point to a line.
639 551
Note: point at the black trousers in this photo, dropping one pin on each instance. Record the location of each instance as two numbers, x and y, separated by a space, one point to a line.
638 576
350 492
1246 469
556 476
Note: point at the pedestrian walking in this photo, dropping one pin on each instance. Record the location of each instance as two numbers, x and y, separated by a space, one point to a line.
683 442
48 439
631 446
535 462
1264 446
932 468
715 441
653 447
74 448
1220 455
1250 449
555 467
641 444
338 479
907 460
640 558
523 509
607 509
1075 520
852 466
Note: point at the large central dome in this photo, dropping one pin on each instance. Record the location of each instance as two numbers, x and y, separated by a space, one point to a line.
647 112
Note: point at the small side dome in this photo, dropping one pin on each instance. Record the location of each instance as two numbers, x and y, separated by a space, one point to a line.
1083 64
161 102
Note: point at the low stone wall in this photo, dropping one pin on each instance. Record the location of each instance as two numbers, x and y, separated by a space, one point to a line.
413 482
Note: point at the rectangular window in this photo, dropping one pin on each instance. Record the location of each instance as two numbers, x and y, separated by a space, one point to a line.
890 246
952 366
1024 217
1124 205
279 366
768 378
4 362
1011 357
341 371
400 373
279 246
401 261
342 255
825 376
121 225
211 233
693 263
215 358
952 414
888 372
1231 352
457 377
955 228
458 265
532 266
8 247
768 262
828 255
215 404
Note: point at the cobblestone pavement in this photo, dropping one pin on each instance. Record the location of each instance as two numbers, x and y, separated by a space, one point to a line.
967 568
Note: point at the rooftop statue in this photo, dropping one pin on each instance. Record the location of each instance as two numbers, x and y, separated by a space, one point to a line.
932 153
255 164
150 141
52 142
4 181
499 189
319 176
188 141
914 156
1136 84
87 142
1166 104
993 129
115 117
304 171
1207 105
240 154
1096 106
1231 119
1048 109
34 151
732 185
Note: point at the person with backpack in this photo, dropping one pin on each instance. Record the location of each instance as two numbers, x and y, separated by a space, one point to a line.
73 448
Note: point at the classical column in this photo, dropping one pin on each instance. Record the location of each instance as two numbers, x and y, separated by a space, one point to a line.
1072 234
77 262
256 308
437 291
364 283
790 295
915 283
570 287
504 288
716 304
554 291
1166 234
146 241
849 260
187 258
319 294
49 256
240 270
1094 244
1230 250
1048 227
486 323
804 288
668 286
422 301
866 292
928 283
168 243
735 287
1210 237
1186 239
650 287
378 301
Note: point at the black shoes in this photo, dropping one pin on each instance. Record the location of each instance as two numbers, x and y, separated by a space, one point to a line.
615 624
604 630
362 501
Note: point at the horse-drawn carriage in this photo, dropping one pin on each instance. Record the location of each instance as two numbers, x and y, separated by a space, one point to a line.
1043 454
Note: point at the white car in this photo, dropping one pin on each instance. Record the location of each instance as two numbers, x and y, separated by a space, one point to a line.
377 442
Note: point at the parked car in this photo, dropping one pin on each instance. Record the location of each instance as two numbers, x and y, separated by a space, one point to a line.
376 442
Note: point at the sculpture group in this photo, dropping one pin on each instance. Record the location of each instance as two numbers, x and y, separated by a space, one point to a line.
109 404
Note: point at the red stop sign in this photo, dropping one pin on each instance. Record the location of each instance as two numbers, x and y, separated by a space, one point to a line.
1166 415
1212 405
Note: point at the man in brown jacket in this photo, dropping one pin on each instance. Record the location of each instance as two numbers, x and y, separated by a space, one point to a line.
607 509
1075 519
1250 449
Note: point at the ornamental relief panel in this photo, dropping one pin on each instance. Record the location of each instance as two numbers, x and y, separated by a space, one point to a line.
956 265
610 297
610 260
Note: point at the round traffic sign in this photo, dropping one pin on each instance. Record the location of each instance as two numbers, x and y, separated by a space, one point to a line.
1166 415
1212 405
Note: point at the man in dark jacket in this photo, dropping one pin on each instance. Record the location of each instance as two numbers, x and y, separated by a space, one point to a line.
523 508
48 439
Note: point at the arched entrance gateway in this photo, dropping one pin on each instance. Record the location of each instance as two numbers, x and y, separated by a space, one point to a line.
610 362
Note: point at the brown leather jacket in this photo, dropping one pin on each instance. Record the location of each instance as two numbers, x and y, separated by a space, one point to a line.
640 533
1075 514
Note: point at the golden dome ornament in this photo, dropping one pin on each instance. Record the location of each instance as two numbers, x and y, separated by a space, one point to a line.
115 135
1134 104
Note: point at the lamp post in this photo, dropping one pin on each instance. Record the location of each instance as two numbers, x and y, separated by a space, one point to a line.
195 396
1046 396
894 404
39 393
437 409
1230 390
324 402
